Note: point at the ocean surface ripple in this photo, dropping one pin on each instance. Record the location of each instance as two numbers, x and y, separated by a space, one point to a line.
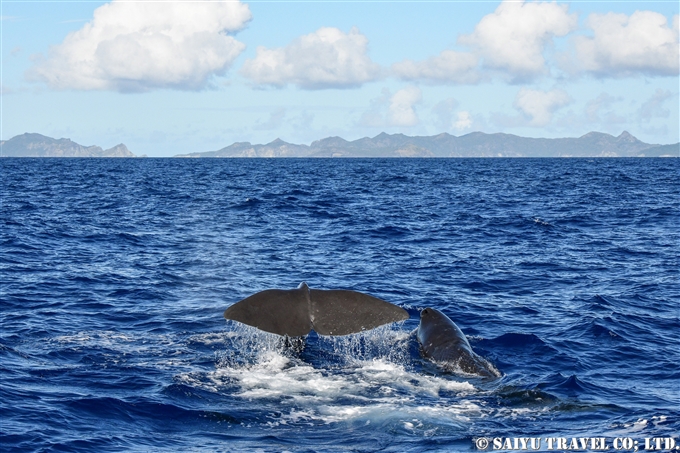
115 272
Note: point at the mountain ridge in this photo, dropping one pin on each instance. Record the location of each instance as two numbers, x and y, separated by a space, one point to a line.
383 145
37 145
474 144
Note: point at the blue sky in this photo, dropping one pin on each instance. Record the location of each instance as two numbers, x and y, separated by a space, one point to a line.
176 77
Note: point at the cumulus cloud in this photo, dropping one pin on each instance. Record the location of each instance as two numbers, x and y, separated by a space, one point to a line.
140 46
513 38
327 58
621 45
396 109
539 106
448 67
463 122
449 119
402 111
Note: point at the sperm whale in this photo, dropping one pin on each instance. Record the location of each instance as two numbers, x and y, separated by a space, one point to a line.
442 341
294 313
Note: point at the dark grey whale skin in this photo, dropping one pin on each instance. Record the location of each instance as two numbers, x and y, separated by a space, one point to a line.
442 341
296 312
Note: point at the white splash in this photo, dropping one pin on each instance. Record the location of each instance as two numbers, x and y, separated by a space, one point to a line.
373 380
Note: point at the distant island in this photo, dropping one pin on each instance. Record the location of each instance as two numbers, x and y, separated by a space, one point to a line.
475 144
36 145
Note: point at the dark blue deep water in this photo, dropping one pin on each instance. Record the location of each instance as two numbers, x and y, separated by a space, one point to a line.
115 273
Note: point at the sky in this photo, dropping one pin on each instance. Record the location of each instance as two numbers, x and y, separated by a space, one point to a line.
170 77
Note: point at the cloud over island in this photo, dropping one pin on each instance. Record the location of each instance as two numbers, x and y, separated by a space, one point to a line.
164 74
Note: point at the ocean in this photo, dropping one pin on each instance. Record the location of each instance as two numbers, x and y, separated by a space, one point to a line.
115 273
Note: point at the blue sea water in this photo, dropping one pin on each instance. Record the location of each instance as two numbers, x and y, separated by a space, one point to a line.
115 273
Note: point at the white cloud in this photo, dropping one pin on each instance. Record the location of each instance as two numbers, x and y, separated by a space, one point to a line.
463 122
449 119
140 46
623 45
513 38
401 110
396 109
448 67
327 58
539 106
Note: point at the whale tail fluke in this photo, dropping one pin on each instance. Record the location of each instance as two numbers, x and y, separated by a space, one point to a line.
328 312
279 311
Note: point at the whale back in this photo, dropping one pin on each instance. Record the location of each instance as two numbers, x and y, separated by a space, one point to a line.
439 337
442 341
